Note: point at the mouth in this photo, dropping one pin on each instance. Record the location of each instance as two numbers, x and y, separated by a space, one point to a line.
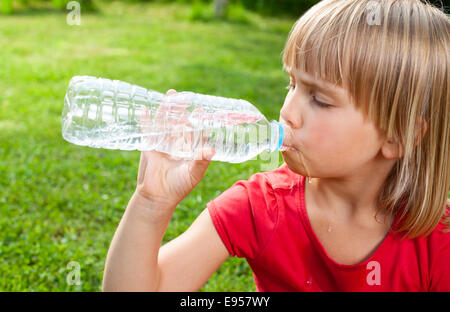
287 139
288 148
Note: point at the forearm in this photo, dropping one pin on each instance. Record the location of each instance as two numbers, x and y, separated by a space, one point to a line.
132 260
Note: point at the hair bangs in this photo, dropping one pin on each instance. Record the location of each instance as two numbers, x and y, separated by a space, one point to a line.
307 51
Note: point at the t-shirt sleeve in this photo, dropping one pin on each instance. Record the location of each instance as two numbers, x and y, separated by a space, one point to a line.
440 267
245 216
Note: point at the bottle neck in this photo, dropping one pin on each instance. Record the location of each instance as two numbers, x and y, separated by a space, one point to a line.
277 136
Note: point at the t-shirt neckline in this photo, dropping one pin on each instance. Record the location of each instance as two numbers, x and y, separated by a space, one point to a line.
313 237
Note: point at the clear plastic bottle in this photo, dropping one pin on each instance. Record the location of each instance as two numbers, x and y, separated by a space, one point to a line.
113 114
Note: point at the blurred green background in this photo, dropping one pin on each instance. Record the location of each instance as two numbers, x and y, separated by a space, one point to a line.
264 7
61 202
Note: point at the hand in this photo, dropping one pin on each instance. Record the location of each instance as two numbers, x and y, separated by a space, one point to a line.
167 181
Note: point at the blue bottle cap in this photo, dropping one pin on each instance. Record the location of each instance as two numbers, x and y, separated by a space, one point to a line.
280 134
280 139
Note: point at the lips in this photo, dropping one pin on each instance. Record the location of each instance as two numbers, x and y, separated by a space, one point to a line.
287 148
287 139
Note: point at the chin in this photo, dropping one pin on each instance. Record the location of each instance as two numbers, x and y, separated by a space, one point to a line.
293 162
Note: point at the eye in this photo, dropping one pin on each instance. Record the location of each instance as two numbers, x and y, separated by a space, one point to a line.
289 87
318 103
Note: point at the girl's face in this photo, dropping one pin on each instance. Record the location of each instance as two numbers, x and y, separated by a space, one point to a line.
329 137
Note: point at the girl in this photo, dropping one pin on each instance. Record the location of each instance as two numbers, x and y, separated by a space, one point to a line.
360 202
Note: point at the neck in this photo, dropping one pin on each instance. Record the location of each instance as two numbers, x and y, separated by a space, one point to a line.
352 197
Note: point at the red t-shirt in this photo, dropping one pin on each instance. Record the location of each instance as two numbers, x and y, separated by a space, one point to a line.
264 220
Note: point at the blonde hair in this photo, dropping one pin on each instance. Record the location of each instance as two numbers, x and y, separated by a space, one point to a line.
392 57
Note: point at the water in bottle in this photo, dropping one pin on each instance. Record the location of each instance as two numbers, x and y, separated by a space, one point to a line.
113 114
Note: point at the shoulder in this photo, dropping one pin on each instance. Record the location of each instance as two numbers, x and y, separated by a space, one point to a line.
439 253
440 233
440 237
258 190
438 241
429 254
432 248
246 214
282 177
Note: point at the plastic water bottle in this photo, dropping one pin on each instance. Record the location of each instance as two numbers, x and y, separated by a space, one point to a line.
113 114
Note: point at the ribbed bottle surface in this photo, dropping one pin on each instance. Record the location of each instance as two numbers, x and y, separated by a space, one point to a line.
112 114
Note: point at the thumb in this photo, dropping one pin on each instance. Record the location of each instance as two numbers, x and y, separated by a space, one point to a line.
201 163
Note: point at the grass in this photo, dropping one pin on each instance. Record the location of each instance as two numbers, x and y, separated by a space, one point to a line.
60 202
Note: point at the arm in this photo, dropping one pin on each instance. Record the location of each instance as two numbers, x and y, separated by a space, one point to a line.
135 261
201 252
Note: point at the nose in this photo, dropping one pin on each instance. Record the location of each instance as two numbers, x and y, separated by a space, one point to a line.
291 113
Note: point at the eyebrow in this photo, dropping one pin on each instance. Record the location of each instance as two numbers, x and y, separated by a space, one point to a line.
312 83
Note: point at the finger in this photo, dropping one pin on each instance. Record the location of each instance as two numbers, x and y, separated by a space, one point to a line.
177 103
162 109
142 167
146 125
177 119
158 123
198 168
150 125
204 154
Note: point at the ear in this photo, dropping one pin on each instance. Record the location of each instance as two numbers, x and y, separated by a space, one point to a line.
422 127
392 149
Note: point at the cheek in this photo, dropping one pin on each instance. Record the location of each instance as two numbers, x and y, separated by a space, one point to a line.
321 137
341 144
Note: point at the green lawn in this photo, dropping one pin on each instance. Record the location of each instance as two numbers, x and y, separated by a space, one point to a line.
60 202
